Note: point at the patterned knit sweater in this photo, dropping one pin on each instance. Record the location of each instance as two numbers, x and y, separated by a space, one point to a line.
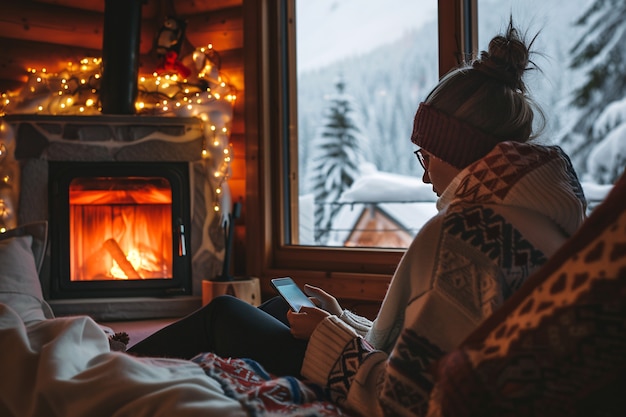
498 221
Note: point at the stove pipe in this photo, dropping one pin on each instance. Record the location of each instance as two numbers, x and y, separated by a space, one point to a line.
120 56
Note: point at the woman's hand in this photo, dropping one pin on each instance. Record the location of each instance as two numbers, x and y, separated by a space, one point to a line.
323 300
304 322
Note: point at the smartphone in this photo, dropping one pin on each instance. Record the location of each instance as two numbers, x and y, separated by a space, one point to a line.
289 290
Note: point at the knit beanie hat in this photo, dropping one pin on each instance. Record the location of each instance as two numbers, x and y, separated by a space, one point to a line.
450 139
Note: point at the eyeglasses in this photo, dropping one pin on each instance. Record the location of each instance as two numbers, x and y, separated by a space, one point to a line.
422 158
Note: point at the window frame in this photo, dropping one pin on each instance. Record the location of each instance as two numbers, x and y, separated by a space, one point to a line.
354 273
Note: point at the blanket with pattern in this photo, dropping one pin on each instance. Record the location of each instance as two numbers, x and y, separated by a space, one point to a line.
64 367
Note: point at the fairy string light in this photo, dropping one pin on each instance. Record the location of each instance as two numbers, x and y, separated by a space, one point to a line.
204 93
9 170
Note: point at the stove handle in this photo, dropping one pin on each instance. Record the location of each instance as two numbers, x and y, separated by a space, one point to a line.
182 248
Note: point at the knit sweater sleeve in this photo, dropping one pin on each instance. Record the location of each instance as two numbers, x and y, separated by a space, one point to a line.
334 356
359 323
367 380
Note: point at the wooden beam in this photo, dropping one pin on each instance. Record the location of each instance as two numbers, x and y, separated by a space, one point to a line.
190 7
232 67
151 8
223 29
19 55
83 28
59 25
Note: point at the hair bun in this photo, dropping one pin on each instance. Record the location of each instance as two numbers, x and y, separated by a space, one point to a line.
506 59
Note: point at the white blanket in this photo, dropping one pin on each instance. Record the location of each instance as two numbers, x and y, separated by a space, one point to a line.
64 367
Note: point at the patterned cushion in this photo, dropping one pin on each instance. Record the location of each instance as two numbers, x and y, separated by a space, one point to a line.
557 346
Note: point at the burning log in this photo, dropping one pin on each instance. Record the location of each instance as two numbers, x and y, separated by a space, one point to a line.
116 252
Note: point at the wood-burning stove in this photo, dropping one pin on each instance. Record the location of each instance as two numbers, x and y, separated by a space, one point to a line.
120 229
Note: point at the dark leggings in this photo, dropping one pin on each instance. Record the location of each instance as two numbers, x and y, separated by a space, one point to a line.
230 327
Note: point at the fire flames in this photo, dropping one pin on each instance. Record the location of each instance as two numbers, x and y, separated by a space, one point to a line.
120 228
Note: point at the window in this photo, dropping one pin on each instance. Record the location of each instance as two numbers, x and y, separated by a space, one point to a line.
273 244
361 70
277 123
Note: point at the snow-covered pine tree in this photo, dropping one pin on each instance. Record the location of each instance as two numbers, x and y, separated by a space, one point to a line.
607 160
601 54
336 156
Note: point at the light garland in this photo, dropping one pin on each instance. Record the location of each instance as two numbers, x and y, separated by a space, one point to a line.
9 170
203 93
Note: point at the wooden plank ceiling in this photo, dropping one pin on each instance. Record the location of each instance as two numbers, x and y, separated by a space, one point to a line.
50 33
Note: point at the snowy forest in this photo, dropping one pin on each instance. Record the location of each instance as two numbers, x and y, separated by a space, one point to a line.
355 114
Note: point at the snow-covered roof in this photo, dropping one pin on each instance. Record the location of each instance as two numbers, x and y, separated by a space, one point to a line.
385 187
403 199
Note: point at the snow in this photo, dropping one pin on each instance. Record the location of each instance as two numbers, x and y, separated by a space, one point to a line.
385 187
375 186
405 199
608 155
411 216
596 192
326 18
611 116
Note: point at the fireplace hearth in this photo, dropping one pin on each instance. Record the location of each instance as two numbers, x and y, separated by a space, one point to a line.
128 200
